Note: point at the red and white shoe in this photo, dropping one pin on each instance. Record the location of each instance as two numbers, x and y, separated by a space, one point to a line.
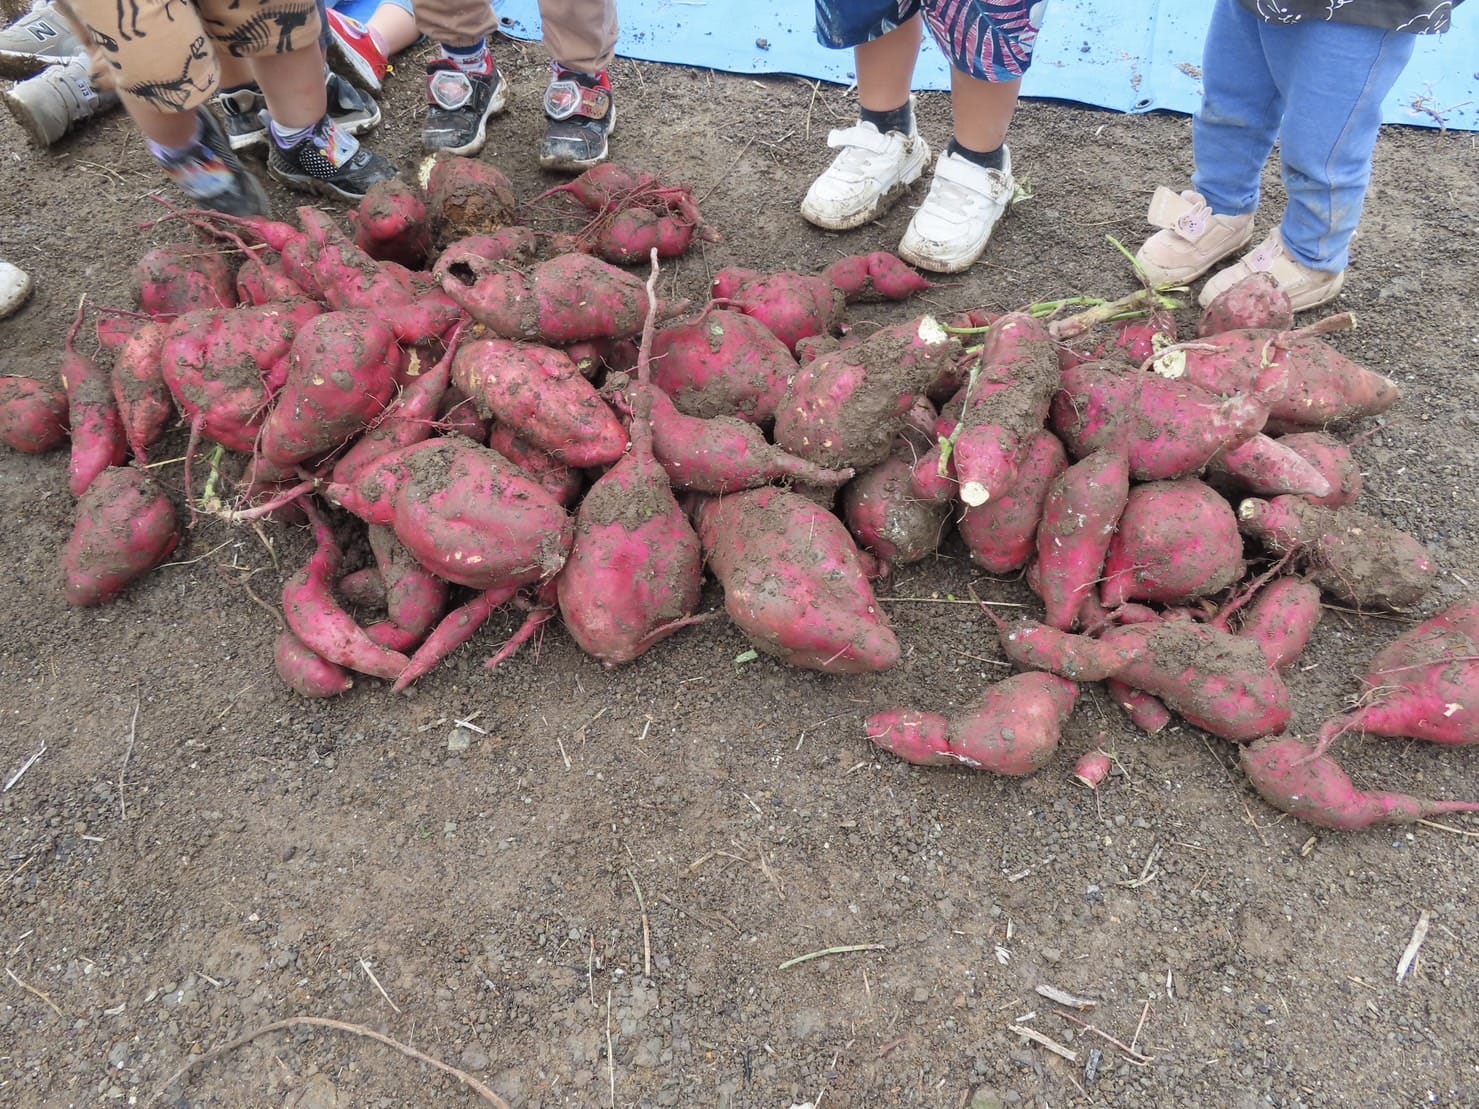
356 51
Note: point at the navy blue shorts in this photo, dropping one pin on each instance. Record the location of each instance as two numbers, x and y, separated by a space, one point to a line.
990 40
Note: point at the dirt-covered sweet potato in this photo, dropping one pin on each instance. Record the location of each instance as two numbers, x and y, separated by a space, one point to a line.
126 525
1176 540
98 439
724 363
33 415
1002 533
1082 507
794 306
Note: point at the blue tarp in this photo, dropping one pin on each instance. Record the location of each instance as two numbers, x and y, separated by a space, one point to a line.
1128 55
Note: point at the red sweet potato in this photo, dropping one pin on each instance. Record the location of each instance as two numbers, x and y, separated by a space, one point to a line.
1170 428
98 439
723 363
876 276
1317 790
1146 712
317 619
564 483
1333 460
538 391
887 519
1082 507
794 306
465 512
1176 540
1281 620
139 390
305 673
793 581
33 415
846 407
1255 301
465 196
1353 557
125 526
341 376
632 234
176 278
409 418
415 598
1002 533
1265 467
1078 658
391 223
455 629
1013 729
261 280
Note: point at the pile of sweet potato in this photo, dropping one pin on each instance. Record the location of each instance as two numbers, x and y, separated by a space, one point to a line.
470 411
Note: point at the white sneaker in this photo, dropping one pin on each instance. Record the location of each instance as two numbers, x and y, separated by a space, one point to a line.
15 287
872 171
953 225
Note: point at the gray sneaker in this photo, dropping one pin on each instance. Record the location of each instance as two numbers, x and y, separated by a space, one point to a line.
34 41
244 112
58 98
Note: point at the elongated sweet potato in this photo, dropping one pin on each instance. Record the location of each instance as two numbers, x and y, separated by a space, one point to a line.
1083 505
98 439
1281 620
125 526
876 276
139 390
1351 556
33 415
1334 462
1002 533
415 598
1176 540
723 363
454 629
538 391
1267 467
1013 729
1316 789
793 581
846 407
306 673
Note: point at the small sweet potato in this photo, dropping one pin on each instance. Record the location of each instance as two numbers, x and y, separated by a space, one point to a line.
33 415
176 278
139 390
465 196
1333 460
794 306
1267 467
1080 512
1281 619
98 439
885 516
306 673
876 276
391 223
1255 301
126 525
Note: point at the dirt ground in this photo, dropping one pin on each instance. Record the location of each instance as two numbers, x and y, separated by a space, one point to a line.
603 889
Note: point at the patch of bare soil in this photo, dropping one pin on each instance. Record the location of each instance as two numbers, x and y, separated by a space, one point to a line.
599 890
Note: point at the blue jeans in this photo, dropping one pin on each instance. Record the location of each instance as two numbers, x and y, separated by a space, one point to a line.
1316 87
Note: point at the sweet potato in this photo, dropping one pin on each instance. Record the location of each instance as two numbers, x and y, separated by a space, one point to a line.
317 619
1176 540
1281 619
391 223
1146 712
564 483
876 276
539 392
723 363
1138 339
33 415
1422 686
793 581
1265 467
260 280
1333 460
465 512
885 516
1092 768
1007 399
125 526
454 629
846 407
139 390
98 439
1013 729
409 418
1080 512
1255 301
632 234
1002 533
305 673
1353 557
1078 658
1170 428
1317 790
465 196
794 306
176 278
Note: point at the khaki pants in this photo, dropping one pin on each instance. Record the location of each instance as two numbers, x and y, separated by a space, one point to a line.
579 34
164 51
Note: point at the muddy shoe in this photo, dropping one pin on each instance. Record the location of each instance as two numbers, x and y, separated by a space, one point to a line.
356 51
243 116
458 106
1192 238
211 174
1305 287
54 101
580 114
330 162
35 40
350 108
950 230
871 171
15 288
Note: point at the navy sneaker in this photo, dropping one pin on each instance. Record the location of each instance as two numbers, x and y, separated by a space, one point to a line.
580 114
330 162
458 105
211 174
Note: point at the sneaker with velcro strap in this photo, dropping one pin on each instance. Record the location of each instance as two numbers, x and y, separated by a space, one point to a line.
1192 238
212 176
871 171
356 51
580 114
244 111
36 40
950 230
351 109
331 162
458 106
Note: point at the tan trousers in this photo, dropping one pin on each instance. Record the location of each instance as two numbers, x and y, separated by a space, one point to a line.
579 34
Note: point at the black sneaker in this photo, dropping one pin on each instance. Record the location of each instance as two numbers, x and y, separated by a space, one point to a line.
244 116
212 176
351 109
458 105
580 115
329 162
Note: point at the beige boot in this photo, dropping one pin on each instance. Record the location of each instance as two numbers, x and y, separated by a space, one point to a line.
49 104
1192 238
1305 288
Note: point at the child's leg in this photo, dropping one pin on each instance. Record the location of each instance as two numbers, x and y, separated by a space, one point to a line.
1233 131
886 66
1335 77
293 84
